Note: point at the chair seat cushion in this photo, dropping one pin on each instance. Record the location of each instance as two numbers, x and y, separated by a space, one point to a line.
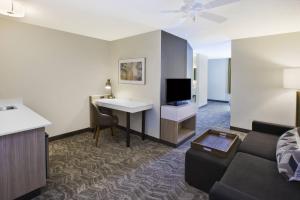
259 178
260 144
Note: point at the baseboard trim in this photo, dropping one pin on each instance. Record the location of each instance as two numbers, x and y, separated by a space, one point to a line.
239 129
30 195
220 101
69 134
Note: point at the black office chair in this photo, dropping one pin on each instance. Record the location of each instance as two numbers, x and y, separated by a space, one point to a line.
104 119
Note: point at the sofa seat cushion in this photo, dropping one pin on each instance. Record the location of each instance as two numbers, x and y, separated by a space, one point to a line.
260 144
259 177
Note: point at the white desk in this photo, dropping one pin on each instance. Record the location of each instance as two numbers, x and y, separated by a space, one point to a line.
128 106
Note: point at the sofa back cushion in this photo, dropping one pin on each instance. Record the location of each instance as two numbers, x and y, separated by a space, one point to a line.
288 155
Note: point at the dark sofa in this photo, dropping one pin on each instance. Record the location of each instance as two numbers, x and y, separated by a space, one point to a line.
253 173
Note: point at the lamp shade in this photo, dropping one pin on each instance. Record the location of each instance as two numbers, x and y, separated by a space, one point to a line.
291 78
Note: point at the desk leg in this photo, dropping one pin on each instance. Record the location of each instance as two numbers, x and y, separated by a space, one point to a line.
128 129
143 124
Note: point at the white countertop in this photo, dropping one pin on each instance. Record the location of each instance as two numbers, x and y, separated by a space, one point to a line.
126 105
20 119
178 113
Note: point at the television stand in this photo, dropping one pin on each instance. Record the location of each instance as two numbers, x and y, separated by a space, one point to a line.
178 123
178 103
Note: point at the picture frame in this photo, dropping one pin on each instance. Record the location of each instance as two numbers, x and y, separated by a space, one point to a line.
132 71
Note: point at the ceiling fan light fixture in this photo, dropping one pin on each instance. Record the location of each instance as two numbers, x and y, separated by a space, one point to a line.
194 18
195 9
14 9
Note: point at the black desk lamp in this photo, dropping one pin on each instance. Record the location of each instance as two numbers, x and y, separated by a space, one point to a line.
108 87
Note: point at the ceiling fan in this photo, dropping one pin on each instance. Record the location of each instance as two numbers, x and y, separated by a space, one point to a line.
11 8
197 8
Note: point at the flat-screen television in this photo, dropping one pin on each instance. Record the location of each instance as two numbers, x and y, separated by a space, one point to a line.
178 90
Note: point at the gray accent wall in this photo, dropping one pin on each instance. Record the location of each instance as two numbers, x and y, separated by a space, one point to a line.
189 61
176 60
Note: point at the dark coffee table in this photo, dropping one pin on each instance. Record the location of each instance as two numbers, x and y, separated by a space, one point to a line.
202 169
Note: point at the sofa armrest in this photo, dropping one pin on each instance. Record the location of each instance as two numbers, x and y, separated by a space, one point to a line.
221 191
265 127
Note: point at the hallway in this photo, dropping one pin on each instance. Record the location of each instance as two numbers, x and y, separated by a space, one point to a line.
213 115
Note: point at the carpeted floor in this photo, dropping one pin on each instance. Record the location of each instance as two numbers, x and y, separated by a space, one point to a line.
147 170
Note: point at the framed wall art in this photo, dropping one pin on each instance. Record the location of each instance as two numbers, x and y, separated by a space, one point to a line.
132 71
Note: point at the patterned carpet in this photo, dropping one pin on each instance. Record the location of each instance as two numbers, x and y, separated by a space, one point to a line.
147 170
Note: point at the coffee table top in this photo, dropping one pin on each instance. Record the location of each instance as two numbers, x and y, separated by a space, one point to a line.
212 159
216 142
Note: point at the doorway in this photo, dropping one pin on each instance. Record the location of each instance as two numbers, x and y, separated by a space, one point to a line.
218 80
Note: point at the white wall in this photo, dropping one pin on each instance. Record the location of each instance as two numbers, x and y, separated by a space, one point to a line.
215 50
54 72
146 45
201 63
218 79
257 79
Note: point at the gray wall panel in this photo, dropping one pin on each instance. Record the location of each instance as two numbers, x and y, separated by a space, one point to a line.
176 56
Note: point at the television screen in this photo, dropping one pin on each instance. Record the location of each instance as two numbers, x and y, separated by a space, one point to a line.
178 90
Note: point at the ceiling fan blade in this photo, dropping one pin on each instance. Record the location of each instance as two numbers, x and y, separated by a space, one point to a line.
170 11
189 1
212 17
197 6
218 3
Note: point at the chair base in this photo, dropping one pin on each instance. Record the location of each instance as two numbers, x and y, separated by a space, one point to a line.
97 134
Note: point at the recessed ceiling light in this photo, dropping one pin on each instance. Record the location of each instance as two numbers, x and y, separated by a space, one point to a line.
12 9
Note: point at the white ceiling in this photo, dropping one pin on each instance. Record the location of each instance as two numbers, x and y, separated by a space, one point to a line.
115 19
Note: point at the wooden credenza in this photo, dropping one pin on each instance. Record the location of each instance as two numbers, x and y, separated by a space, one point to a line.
22 163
